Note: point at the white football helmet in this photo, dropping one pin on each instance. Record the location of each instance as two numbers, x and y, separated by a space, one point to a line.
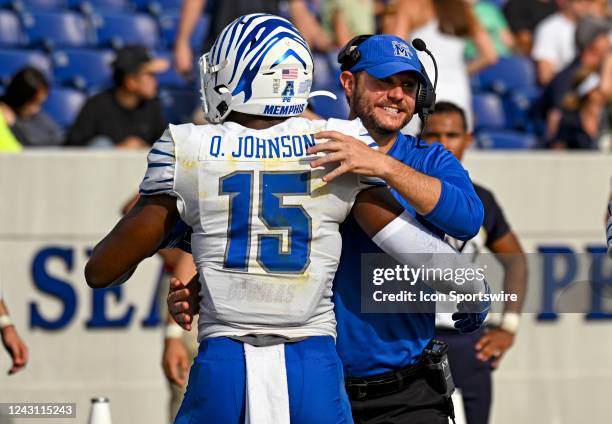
259 65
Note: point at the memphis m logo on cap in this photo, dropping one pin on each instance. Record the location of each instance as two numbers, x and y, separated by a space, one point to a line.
401 49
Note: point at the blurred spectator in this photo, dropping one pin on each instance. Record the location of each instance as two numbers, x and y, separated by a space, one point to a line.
129 115
553 43
344 19
386 14
24 122
224 12
491 19
8 142
180 346
580 123
446 25
306 22
572 104
221 14
523 16
603 8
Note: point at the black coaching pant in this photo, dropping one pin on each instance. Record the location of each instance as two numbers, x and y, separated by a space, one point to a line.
419 402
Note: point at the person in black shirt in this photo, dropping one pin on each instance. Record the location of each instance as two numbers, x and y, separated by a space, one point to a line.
129 115
473 356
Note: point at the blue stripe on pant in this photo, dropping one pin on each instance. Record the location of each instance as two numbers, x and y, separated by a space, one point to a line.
217 383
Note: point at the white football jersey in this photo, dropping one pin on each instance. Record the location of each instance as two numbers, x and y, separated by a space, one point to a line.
265 225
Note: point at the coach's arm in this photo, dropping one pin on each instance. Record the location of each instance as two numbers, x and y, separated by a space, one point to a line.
136 236
445 196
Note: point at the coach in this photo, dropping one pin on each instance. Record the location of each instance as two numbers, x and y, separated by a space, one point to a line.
382 353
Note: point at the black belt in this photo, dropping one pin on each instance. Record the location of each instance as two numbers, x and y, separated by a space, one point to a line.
381 384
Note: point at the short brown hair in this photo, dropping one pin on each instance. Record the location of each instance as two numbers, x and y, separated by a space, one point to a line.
448 107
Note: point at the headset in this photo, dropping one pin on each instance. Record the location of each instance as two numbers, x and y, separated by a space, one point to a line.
426 95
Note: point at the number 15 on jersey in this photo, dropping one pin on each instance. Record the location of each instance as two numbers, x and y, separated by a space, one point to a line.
273 186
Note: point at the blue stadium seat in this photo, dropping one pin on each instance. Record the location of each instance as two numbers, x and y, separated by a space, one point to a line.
518 105
10 29
12 61
329 108
488 111
101 6
170 78
168 23
158 7
178 104
508 74
117 30
505 139
63 105
83 69
40 5
57 29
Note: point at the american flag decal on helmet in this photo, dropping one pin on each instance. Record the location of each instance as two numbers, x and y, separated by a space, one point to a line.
290 74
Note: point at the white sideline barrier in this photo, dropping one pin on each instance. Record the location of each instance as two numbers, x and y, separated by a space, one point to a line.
557 372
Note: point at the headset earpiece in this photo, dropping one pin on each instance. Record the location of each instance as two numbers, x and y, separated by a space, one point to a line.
425 99
349 55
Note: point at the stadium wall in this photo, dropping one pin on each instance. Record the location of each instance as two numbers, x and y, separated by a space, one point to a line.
57 204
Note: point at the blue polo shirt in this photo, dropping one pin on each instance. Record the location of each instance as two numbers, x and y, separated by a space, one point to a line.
371 344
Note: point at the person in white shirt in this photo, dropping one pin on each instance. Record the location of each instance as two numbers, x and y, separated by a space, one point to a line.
554 46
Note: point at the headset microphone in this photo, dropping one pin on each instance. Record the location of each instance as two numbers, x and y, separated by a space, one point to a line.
420 45
426 98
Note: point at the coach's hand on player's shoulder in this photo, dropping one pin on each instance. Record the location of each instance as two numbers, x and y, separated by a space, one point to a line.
175 361
183 301
493 345
352 154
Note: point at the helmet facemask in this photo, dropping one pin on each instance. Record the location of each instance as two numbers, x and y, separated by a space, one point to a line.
215 99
